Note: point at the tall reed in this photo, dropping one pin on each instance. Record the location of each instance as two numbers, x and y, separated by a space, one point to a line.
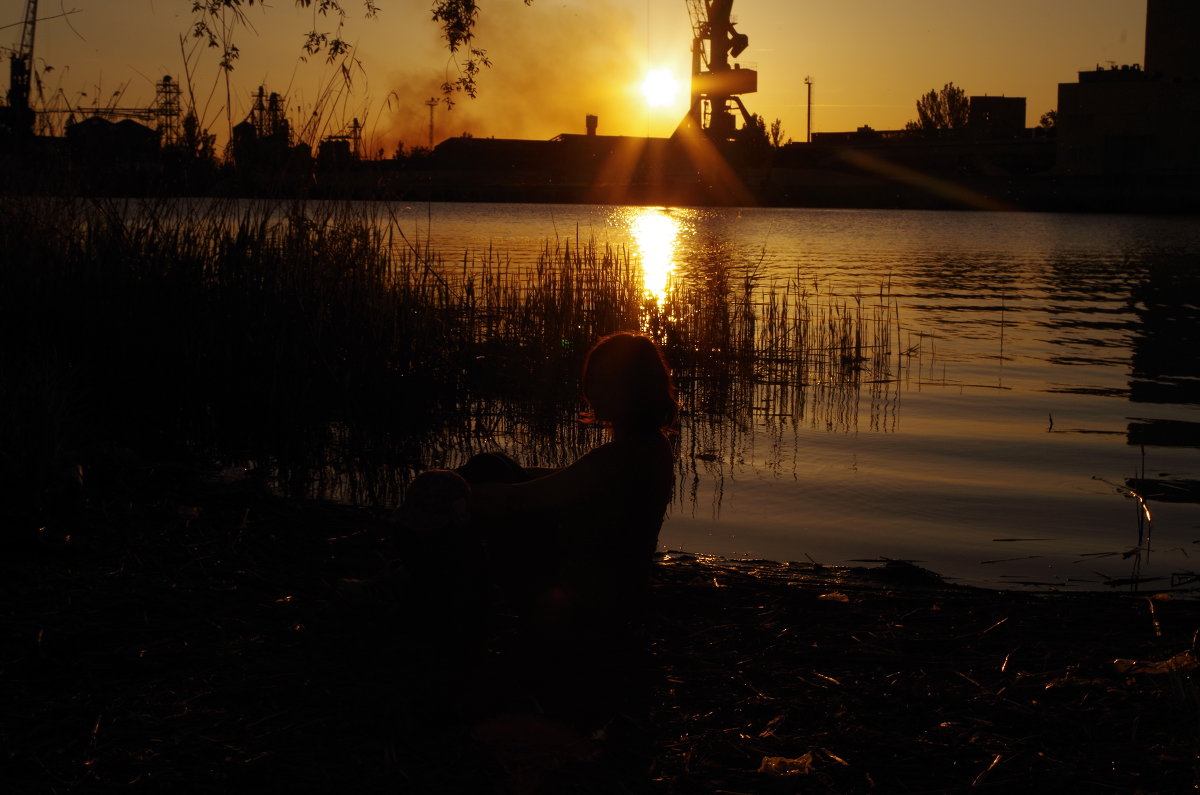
299 332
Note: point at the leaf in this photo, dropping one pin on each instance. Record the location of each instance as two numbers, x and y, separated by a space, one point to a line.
1184 661
783 766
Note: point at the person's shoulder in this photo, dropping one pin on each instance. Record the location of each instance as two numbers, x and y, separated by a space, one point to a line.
636 447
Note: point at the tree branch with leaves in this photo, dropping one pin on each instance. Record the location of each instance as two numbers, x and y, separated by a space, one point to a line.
216 21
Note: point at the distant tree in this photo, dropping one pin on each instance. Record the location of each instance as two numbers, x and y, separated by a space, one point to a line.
754 144
946 109
194 141
777 133
216 21
756 131
1049 119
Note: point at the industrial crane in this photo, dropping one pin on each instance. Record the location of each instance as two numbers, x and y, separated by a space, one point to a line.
19 112
716 85
19 116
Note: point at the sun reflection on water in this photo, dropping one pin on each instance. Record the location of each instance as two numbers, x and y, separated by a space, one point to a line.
656 234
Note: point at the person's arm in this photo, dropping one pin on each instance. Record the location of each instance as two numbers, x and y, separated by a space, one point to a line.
561 489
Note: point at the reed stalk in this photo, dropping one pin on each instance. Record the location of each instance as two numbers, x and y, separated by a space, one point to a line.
226 329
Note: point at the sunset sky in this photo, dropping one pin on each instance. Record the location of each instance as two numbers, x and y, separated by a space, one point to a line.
558 60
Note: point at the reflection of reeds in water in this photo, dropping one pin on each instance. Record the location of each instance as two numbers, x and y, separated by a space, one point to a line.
761 361
784 343
324 345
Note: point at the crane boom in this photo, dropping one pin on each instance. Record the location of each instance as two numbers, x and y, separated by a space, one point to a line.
20 69
698 16
27 30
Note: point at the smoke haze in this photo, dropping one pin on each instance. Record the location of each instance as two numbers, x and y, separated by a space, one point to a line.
539 85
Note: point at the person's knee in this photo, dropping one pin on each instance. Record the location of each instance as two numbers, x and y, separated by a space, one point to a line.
491 468
436 496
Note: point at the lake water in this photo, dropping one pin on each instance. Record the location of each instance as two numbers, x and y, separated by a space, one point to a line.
1049 364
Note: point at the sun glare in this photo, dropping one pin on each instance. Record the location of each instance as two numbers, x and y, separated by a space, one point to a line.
655 234
660 88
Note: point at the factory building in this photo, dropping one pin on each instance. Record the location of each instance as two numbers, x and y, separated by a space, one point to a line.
1132 120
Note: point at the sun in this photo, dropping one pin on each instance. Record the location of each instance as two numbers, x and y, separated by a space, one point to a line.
660 88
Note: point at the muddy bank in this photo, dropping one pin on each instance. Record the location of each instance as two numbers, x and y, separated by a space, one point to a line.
201 636
861 680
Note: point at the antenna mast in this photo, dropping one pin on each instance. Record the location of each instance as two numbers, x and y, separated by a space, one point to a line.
808 81
431 103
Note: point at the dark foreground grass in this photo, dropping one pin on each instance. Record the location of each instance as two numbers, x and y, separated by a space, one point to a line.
203 636
243 331
322 344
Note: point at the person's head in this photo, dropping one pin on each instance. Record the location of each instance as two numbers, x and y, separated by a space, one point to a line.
627 384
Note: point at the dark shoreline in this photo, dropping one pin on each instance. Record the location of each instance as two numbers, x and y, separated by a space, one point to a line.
1013 176
206 636
775 189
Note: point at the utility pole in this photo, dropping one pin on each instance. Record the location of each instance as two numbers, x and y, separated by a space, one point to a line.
808 81
431 103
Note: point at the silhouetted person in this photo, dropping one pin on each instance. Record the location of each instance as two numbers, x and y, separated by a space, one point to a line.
605 510
570 550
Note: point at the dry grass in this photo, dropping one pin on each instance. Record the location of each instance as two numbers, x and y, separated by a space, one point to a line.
323 345
203 635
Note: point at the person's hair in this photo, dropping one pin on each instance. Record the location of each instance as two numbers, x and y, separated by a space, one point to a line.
626 382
